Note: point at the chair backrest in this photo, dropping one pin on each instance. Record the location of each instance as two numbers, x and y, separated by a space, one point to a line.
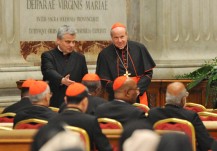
177 125
55 109
7 117
5 128
195 107
107 123
207 116
84 135
143 107
32 123
211 110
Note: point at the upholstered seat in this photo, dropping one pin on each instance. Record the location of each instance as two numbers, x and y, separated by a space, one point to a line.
208 116
107 123
177 125
5 128
30 124
143 107
7 117
55 109
195 107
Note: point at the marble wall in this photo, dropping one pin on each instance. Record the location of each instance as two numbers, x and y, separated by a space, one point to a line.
179 34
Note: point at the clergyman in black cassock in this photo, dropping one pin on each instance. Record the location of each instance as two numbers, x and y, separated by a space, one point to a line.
18 106
34 111
63 65
121 108
24 102
39 94
74 115
93 102
93 83
124 57
175 100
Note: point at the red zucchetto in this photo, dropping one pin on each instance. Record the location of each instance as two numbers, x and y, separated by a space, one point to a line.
75 89
118 25
119 81
37 87
91 77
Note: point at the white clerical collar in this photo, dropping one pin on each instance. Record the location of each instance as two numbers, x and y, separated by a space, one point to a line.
120 100
59 48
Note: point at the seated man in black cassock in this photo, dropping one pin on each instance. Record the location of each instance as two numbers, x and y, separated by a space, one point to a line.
93 83
121 108
39 94
125 57
176 95
74 115
24 102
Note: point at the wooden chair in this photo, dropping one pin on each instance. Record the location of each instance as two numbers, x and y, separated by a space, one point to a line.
211 110
177 125
16 140
161 132
1 109
84 135
55 109
8 125
211 127
195 107
32 123
207 116
108 123
143 107
7 117
5 128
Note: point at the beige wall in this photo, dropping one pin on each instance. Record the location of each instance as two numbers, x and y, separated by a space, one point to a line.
180 34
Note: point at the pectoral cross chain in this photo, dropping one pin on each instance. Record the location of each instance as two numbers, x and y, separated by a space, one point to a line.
127 74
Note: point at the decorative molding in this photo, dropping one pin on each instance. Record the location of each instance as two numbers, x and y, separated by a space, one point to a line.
9 20
191 20
1 20
148 19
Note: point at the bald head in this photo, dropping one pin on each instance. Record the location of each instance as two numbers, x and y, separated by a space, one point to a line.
176 93
127 83
175 88
128 91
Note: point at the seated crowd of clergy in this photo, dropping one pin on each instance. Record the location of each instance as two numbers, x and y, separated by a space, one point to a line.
82 108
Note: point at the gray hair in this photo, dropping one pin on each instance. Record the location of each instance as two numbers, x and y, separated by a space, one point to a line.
92 85
38 97
176 100
65 29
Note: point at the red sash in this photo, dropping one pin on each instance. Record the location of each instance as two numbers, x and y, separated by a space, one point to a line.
142 99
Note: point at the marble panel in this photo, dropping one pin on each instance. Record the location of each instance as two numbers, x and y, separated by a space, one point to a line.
32 50
40 19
